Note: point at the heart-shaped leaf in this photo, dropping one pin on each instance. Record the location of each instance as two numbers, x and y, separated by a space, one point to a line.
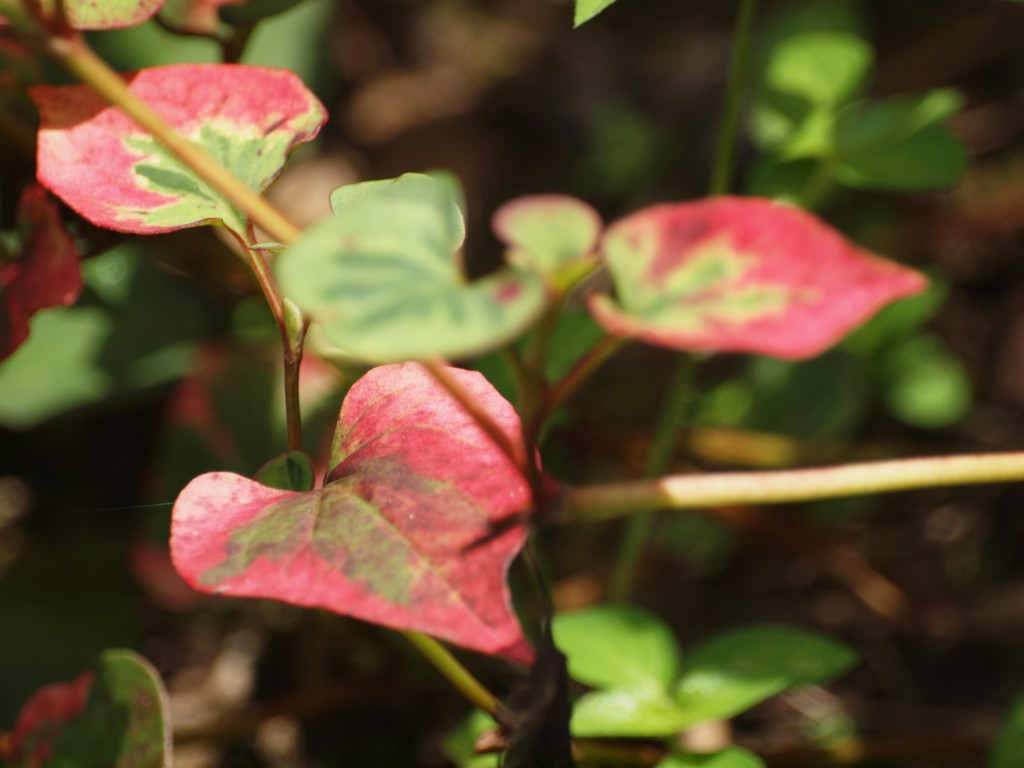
112 716
47 273
117 176
383 280
547 233
414 529
741 275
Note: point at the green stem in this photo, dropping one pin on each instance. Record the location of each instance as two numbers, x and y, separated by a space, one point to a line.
83 62
734 488
680 394
456 674
735 86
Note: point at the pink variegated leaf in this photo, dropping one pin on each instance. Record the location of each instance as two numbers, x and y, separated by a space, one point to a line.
415 528
117 176
741 275
46 274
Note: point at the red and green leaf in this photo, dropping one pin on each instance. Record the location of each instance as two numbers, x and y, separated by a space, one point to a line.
117 176
47 272
112 716
741 275
414 529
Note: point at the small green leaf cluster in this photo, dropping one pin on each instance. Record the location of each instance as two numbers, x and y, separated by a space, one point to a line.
644 687
816 131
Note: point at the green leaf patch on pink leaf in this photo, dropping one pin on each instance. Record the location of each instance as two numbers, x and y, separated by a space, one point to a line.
117 176
46 273
410 531
111 716
741 275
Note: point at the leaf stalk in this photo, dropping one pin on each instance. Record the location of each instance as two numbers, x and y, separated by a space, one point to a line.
599 502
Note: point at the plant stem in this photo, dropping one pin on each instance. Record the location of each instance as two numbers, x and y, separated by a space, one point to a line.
639 529
78 58
460 677
731 488
721 172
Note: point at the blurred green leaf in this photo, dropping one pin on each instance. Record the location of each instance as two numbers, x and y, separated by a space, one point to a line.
458 744
812 59
627 713
616 646
56 369
804 182
1008 747
738 669
924 384
588 9
900 143
825 397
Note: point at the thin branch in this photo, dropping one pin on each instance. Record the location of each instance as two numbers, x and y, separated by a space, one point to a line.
730 488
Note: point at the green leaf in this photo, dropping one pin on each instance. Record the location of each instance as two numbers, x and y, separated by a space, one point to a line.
812 58
384 282
113 716
825 397
627 713
900 143
458 744
738 669
588 9
803 182
731 757
617 646
291 471
924 384
67 340
1008 748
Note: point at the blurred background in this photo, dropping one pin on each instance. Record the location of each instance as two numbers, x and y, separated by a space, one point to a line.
168 367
